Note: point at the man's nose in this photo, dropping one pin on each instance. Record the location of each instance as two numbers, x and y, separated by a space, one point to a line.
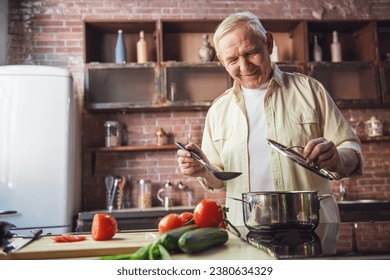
244 63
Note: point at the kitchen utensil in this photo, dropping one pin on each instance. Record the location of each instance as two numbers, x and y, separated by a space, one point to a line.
165 195
113 193
224 176
299 159
121 186
109 180
277 210
20 242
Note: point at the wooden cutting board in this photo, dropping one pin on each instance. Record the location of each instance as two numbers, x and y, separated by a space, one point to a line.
46 248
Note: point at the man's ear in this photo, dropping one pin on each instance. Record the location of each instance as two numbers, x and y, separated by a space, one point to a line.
270 42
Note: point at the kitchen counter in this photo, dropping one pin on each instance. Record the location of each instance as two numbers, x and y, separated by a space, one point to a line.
361 210
128 242
363 240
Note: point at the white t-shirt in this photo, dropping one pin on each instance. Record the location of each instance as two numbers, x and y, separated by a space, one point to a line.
260 173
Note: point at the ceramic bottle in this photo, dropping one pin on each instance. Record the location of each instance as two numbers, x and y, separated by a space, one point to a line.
335 48
120 48
206 52
317 50
142 51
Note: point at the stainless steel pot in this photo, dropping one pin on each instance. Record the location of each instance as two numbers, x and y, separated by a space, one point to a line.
281 210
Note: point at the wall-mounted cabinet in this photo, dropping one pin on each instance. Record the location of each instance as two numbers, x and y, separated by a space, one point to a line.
357 39
100 39
175 77
290 37
349 83
385 81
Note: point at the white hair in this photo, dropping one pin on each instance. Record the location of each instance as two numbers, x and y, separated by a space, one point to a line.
237 19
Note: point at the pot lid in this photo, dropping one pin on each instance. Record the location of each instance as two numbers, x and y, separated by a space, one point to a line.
299 159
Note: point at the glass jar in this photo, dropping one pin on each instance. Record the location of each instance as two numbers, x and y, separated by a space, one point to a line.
374 127
113 133
145 194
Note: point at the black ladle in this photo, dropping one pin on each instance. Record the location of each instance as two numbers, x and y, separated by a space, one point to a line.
224 176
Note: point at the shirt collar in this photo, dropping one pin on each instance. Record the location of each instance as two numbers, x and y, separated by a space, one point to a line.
277 77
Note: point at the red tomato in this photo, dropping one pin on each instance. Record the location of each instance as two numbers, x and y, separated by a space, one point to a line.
104 227
169 222
59 238
68 238
186 217
208 213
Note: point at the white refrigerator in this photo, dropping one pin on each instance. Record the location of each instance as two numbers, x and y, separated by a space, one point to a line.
39 149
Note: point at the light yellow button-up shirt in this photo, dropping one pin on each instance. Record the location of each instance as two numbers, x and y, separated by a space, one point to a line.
297 109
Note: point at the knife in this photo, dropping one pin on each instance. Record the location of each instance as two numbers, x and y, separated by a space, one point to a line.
19 243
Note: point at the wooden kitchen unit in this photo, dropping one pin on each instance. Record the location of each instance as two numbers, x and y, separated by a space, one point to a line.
139 94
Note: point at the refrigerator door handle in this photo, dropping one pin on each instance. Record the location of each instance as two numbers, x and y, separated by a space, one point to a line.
8 212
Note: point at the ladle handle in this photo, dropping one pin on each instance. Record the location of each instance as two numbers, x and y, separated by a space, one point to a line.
193 154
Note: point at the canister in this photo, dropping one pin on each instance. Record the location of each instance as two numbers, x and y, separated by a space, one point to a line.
144 194
113 133
374 127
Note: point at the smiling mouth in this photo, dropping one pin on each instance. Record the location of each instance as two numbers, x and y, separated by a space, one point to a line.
248 75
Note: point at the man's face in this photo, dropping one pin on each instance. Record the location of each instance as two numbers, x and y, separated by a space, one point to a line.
246 57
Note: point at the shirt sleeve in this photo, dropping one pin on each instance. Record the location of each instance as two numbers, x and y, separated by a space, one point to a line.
336 128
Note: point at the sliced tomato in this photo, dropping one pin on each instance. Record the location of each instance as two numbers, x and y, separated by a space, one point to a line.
104 227
208 213
186 218
68 238
59 238
169 222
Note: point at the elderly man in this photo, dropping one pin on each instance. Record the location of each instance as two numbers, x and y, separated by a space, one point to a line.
266 103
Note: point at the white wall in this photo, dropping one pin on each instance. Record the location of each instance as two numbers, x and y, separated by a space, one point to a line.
3 31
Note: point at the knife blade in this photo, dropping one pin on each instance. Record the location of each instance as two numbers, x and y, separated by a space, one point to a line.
19 243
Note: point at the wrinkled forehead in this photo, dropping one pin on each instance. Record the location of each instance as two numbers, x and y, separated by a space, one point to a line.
239 33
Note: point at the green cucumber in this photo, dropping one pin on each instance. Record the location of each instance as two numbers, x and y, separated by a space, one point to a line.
201 239
141 254
170 239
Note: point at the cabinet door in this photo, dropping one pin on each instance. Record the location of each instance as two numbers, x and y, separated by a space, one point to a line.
195 83
350 84
383 31
385 81
111 86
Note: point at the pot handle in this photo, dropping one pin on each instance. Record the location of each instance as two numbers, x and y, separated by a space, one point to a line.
324 196
238 199
241 200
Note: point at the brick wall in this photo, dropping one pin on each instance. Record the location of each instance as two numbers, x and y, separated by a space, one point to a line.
50 33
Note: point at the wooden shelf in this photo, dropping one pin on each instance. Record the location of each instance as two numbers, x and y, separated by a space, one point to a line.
120 107
360 81
375 139
134 148
122 149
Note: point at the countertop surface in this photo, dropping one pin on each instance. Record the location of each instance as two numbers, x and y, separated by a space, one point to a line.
349 240
363 240
128 242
